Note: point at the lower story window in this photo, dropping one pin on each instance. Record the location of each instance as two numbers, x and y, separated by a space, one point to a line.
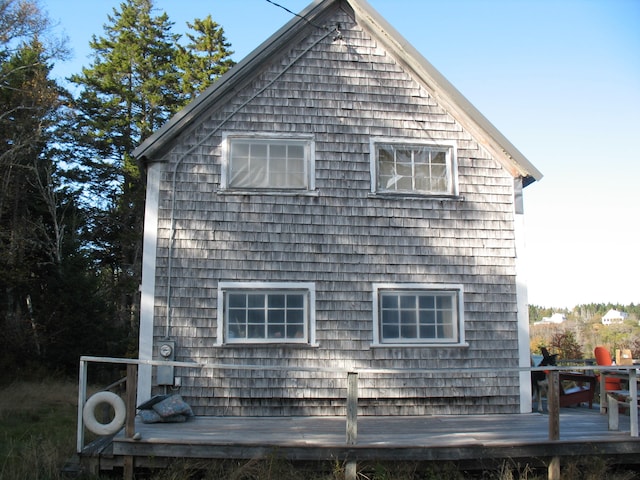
418 314
266 312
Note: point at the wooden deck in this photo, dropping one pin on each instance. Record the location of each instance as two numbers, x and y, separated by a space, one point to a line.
488 438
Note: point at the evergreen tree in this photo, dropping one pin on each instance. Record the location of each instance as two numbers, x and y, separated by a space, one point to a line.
205 58
137 80
39 219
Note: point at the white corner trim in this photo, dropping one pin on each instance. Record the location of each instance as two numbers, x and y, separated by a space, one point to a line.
524 359
147 288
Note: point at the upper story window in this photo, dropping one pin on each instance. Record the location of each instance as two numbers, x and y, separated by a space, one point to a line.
417 314
261 162
413 168
266 312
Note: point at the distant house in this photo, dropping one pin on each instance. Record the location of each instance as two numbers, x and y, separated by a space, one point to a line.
614 316
333 202
556 318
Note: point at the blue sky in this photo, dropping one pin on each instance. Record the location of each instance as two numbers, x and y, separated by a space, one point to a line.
559 78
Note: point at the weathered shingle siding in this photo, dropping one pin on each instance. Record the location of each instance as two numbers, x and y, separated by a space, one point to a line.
343 92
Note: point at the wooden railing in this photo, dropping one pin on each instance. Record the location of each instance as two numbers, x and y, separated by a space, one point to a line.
351 375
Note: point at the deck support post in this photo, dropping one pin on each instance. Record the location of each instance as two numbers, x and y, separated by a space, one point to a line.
130 422
351 468
553 405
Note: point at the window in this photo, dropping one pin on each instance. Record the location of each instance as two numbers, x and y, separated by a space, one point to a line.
418 314
413 168
266 163
266 312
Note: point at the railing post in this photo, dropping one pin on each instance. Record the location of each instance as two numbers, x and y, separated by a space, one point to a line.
352 422
82 398
633 408
603 392
352 408
130 421
553 405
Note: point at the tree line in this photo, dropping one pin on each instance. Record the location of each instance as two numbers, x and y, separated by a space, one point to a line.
582 331
71 195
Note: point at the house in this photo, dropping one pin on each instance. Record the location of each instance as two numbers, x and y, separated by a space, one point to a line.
333 202
556 318
614 316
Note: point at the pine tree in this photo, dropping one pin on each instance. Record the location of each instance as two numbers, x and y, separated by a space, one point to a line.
38 215
205 58
139 77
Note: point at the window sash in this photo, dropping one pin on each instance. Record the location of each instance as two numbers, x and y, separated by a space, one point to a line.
418 316
279 164
414 168
266 316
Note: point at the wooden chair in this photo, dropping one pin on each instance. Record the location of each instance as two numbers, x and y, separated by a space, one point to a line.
582 390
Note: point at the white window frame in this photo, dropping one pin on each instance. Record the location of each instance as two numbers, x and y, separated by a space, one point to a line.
307 141
450 149
457 290
307 288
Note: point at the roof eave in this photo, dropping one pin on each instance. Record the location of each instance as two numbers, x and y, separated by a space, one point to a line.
438 86
446 94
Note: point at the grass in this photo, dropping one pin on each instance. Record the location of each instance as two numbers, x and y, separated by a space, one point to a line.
38 431
37 428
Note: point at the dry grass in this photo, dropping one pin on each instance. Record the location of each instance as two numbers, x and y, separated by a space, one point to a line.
37 428
32 395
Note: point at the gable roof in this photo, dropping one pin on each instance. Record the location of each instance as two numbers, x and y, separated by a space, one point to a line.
445 94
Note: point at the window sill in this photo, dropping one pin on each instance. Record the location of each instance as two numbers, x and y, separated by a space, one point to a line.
280 193
414 196
419 345
268 345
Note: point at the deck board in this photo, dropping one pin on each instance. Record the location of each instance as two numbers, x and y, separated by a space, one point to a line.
582 432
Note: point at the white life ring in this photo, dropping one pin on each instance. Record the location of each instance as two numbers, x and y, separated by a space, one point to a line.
89 413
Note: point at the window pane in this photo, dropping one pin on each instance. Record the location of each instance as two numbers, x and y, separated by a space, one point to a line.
236 331
280 164
418 317
390 331
266 316
427 301
389 301
276 316
276 331
278 152
445 302
259 151
295 316
256 331
276 301
237 300
427 331
296 152
240 150
255 316
255 301
295 301
407 301
295 331
408 331
427 317
413 168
